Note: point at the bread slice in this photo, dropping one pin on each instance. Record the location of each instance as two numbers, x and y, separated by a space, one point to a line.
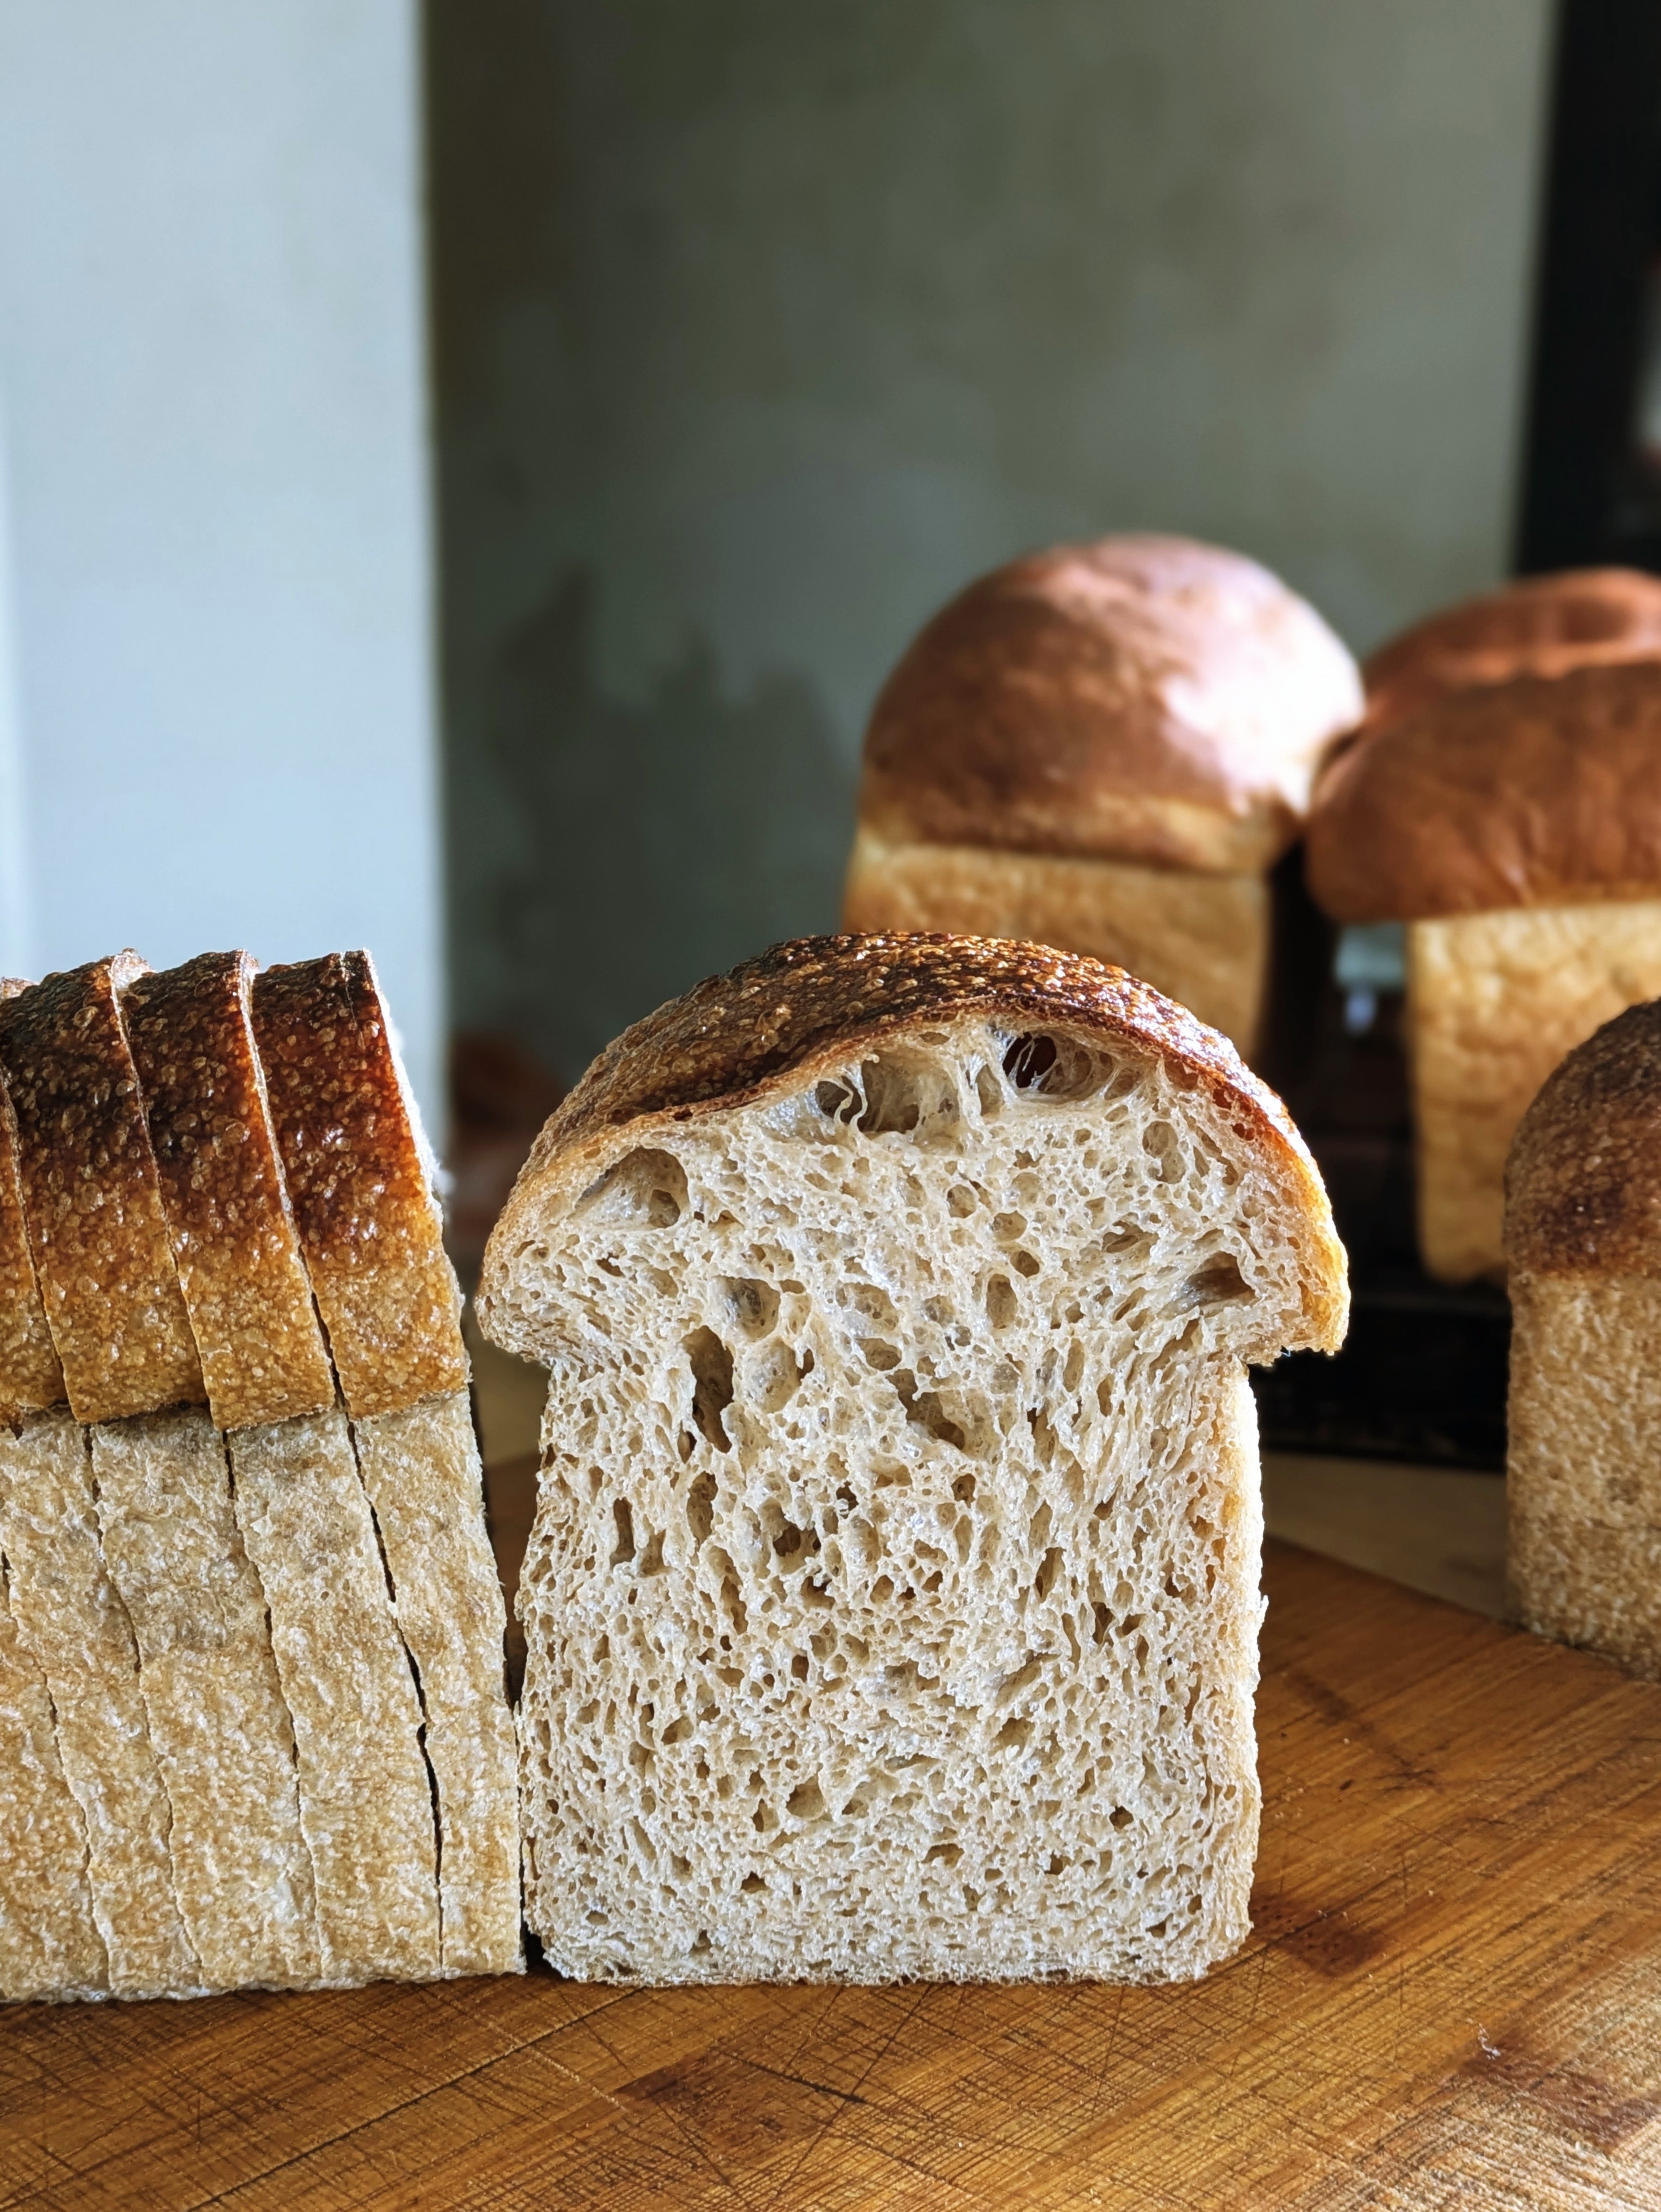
1583 1240
215 1714
50 1946
372 1234
76 1631
892 1601
31 1378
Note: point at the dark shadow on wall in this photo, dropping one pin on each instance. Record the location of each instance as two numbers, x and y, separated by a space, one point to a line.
659 842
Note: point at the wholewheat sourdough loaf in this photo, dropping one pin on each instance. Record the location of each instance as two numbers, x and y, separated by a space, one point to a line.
1583 1238
892 1600
1516 830
1104 748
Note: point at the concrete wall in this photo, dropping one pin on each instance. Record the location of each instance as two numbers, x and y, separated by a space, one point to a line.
212 397
762 327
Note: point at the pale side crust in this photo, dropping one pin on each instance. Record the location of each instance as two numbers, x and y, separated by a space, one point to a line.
421 1469
365 1797
217 1721
1200 939
234 1240
50 1946
1583 1478
30 1376
77 1631
360 1185
99 1241
1495 1002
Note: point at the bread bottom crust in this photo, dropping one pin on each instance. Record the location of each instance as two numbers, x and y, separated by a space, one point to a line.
1201 939
1494 1001
1583 1480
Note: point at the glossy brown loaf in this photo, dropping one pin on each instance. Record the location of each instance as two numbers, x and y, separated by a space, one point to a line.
91 1198
1142 698
1583 1186
1540 792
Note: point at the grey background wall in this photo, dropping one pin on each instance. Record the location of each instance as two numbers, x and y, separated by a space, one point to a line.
761 326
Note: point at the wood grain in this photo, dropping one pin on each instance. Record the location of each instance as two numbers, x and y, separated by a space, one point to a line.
1453 1997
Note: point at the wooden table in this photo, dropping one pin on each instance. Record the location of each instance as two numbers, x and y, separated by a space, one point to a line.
1453 1996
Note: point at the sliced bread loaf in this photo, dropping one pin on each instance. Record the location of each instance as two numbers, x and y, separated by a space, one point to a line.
892 1601
31 1378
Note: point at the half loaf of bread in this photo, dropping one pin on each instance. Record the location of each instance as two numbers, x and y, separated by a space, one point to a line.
892 1601
1104 748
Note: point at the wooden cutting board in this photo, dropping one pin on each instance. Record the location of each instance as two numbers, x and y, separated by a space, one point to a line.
1452 1997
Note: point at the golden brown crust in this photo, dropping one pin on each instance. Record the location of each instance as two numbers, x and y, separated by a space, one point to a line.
1537 626
234 1240
1535 792
30 1376
1142 698
1582 1194
91 1199
819 1002
362 1200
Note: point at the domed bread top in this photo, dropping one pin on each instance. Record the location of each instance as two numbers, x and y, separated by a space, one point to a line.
235 1244
1582 1184
807 1007
1539 626
91 1199
1142 698
1541 792
30 1376
361 1183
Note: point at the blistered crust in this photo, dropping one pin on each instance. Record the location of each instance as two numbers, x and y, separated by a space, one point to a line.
1535 792
31 1378
1141 698
807 1006
234 1240
91 1199
362 1199
1538 626
1583 1196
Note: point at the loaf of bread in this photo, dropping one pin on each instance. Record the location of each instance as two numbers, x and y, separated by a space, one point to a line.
1583 1240
892 1606
314 1713
1104 748
1516 830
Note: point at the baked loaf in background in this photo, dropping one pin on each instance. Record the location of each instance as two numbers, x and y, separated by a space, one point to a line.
252 1723
892 1601
1516 830
1104 748
1583 1238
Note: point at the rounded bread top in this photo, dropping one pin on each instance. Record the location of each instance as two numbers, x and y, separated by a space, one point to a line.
1540 792
1582 1184
1142 698
1538 626
804 1009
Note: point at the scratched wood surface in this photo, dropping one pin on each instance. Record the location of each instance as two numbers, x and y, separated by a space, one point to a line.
1453 1996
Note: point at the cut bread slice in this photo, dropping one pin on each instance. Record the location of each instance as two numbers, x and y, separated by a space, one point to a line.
892 1605
365 1796
76 1631
31 1378
50 1946
215 1713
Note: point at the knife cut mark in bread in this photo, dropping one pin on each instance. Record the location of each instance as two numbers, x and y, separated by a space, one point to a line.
50 1946
100 1246
71 1618
892 1601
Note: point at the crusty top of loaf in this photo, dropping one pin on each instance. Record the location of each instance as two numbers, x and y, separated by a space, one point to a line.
1538 626
1582 1194
245 1283
359 1183
1142 698
810 1006
30 1376
1540 792
90 1196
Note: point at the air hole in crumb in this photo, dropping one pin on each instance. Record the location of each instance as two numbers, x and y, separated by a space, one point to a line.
699 1942
961 1200
711 1364
750 1885
1043 1066
943 1855
1050 1568
624 1550
700 1507
1012 1735
1163 1146
1023 1263
836 1101
1217 1283
1118 1818
651 1559
806 1803
799 1666
1002 1304
753 1305
645 1189
990 1091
